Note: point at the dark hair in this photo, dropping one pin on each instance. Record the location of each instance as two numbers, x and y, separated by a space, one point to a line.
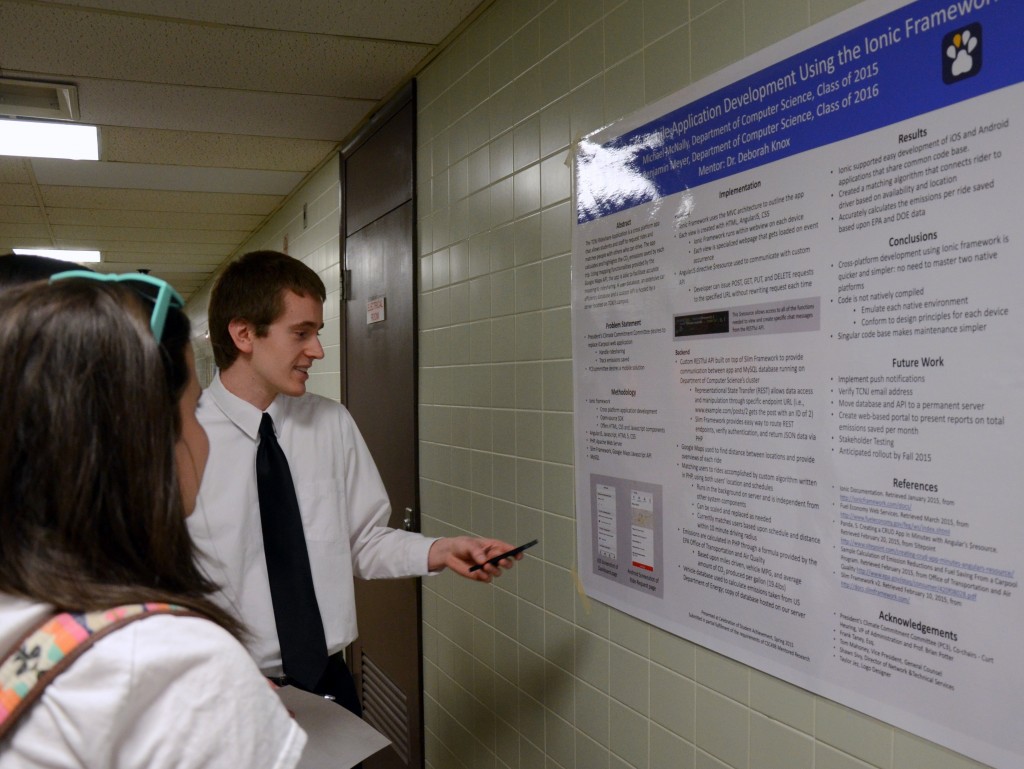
90 509
252 289
16 269
174 346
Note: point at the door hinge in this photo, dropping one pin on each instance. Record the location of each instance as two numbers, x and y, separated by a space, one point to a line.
346 285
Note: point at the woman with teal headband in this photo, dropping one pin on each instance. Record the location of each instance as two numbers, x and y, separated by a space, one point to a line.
100 461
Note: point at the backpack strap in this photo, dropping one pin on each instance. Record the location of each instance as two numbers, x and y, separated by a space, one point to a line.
48 649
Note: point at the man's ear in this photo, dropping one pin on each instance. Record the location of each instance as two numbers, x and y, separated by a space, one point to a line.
242 334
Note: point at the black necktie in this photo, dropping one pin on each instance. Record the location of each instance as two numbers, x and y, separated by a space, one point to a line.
296 613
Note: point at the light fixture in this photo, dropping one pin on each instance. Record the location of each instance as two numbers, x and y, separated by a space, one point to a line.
68 255
31 138
38 99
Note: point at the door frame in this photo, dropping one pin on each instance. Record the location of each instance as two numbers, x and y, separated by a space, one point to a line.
370 680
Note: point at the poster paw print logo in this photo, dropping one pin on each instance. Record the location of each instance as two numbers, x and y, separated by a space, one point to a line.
961 53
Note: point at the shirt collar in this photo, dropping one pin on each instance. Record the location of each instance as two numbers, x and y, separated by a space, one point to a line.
243 414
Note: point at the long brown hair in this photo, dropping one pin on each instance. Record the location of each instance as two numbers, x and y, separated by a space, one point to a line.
91 515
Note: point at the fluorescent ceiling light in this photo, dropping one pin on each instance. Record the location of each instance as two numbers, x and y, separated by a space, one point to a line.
80 257
29 138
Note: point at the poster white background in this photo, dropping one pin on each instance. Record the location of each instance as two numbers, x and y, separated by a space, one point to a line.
798 385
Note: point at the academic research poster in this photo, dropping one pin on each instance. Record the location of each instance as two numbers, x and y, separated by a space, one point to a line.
796 305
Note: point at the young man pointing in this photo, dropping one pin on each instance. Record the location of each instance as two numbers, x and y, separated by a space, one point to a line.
292 507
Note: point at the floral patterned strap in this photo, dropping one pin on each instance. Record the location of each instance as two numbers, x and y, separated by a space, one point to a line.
48 649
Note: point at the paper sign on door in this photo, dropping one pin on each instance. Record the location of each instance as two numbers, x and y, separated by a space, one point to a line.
375 310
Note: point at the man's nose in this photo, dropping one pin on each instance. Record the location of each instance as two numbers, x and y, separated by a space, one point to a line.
316 349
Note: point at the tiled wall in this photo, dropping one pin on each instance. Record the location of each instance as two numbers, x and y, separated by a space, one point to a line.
529 674
318 244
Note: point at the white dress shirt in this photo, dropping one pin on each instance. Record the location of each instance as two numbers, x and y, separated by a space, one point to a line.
161 692
341 497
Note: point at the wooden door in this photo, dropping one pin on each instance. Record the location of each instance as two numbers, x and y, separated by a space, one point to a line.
379 388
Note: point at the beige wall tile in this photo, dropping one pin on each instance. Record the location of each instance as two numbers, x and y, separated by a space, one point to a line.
826 757
910 752
558 588
708 761
768 21
592 713
555 281
854 733
723 728
673 652
592 655
822 9
624 87
559 652
555 133
629 632
714 39
586 55
668 751
630 676
673 702
667 65
782 701
624 32
558 438
590 753
559 738
662 17
529 434
628 735
724 675
557 341
776 746
558 490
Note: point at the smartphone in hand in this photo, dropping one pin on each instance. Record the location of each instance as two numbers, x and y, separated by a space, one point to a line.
510 554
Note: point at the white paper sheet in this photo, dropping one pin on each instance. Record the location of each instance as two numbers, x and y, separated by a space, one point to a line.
337 738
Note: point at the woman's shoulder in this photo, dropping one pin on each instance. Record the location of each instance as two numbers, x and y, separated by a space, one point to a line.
190 671
168 637
147 688
165 656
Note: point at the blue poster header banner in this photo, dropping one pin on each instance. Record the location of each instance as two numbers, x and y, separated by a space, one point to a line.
922 57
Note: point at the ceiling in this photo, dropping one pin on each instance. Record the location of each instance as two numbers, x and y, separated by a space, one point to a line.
210 112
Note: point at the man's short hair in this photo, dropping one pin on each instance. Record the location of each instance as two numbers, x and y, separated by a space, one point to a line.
252 289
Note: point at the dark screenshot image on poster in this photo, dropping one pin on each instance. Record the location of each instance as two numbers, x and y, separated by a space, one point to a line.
700 324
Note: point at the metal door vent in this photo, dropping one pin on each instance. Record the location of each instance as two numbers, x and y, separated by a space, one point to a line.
385 707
